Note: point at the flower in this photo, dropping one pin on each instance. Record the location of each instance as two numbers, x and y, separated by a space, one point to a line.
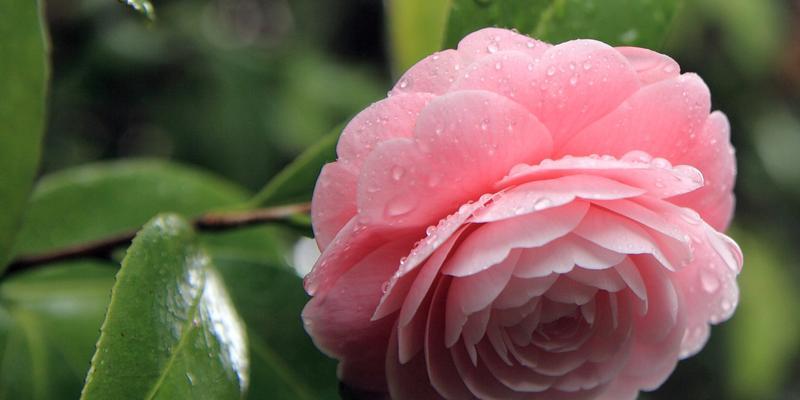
525 221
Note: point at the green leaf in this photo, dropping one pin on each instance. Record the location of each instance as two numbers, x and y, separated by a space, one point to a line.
98 200
285 362
24 71
763 341
296 182
416 29
143 6
617 22
49 322
171 331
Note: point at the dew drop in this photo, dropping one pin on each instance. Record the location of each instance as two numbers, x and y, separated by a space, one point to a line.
401 206
484 124
709 281
637 156
659 162
573 80
530 44
498 66
403 83
398 172
385 287
542 203
587 65
491 48
551 70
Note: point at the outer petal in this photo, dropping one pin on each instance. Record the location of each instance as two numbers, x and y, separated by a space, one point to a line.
670 119
334 202
386 119
464 142
487 41
339 320
434 74
570 86
649 65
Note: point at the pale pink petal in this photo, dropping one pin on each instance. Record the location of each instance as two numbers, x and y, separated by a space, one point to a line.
541 194
560 255
650 66
578 82
343 330
475 292
389 118
492 242
713 154
433 74
500 73
604 279
656 176
464 142
333 203
488 41
619 234
520 292
441 367
664 119
566 290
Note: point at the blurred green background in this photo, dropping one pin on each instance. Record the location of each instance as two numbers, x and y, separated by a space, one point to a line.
240 87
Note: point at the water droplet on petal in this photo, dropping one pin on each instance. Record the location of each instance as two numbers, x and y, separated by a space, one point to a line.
587 65
401 206
709 281
573 80
659 162
551 70
398 172
491 48
403 83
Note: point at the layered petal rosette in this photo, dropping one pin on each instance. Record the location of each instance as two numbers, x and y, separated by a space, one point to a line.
518 220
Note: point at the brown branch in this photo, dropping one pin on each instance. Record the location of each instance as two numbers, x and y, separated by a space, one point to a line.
103 248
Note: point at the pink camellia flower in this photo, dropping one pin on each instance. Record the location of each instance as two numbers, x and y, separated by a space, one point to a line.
525 221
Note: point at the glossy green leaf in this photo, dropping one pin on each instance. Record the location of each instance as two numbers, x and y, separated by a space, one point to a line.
296 182
763 336
98 200
23 87
285 365
49 322
171 331
618 22
416 29
143 6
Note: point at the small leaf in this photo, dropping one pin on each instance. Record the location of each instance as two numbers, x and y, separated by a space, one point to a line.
616 22
285 363
171 331
49 322
24 71
95 201
416 29
296 182
143 6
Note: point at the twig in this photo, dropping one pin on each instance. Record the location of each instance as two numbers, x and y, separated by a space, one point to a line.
103 248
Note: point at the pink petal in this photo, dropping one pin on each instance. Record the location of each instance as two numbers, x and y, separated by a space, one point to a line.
619 234
393 117
441 367
407 380
433 74
541 194
560 255
519 292
487 41
333 203
464 142
566 290
475 292
578 82
656 176
492 242
343 330
649 65
713 154
604 279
